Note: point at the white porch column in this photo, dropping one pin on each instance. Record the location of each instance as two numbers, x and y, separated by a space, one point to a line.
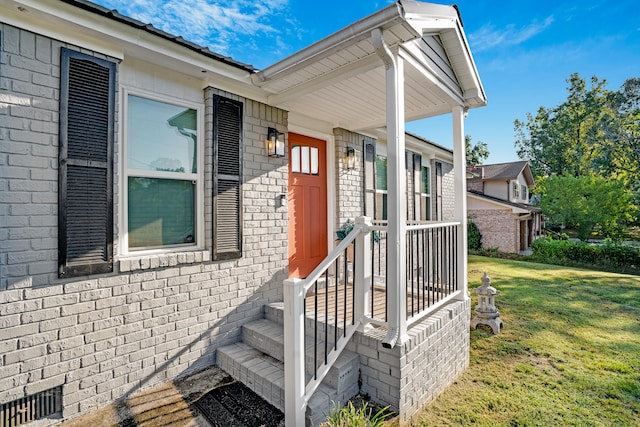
363 279
460 191
396 198
294 371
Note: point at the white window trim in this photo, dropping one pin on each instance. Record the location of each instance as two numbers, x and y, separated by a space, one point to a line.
123 225
515 189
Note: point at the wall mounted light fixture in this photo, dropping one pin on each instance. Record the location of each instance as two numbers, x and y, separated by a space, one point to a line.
274 143
351 158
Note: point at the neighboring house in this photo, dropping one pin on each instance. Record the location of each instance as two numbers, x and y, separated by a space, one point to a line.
498 201
159 199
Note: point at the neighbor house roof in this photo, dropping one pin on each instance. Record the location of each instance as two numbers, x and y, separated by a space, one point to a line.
501 171
516 207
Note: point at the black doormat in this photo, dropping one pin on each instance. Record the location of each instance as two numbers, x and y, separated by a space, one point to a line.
235 405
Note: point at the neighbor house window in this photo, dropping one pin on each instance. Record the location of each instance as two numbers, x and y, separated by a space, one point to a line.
163 174
525 191
516 193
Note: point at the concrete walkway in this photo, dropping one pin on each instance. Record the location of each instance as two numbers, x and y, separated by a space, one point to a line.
169 404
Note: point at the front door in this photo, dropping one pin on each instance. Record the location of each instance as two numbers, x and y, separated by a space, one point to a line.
307 204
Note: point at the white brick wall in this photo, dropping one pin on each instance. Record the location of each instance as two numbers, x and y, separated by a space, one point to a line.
154 318
410 376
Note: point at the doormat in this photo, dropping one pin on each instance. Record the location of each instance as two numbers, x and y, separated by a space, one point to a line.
235 405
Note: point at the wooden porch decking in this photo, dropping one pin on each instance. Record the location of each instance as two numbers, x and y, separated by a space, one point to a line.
327 297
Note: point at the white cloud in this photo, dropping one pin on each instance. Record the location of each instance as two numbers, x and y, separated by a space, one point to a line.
488 37
220 25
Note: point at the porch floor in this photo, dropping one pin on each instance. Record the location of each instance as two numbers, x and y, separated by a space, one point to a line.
333 302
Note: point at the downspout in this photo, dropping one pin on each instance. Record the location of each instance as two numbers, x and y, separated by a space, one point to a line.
396 202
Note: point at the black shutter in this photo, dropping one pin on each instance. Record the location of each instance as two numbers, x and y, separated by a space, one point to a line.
438 204
227 178
85 182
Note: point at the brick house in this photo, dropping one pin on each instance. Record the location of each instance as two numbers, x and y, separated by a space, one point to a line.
498 202
159 199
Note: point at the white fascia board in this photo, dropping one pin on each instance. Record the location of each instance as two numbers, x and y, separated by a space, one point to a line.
76 26
448 92
514 209
55 23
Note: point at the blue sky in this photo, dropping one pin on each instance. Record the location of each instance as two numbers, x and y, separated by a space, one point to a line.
524 50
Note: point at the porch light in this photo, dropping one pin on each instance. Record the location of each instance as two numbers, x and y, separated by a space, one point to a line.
274 143
351 157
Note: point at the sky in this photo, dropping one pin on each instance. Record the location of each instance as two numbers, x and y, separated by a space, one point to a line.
524 50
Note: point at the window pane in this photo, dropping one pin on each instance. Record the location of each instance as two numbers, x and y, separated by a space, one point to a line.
305 160
381 206
426 185
314 161
161 136
425 208
381 173
161 212
295 159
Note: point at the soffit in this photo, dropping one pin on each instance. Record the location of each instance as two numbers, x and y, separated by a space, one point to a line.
341 80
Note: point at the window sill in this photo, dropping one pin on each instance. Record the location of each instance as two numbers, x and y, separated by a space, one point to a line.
149 262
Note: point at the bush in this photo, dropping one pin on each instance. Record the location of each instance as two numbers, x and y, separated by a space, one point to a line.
608 254
474 237
350 416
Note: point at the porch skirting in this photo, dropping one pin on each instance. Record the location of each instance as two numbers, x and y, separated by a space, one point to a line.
411 375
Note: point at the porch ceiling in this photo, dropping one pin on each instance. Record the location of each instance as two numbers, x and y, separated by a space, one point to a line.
341 79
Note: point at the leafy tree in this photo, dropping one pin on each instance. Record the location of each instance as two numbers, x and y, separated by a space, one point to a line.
594 132
586 202
476 154
572 137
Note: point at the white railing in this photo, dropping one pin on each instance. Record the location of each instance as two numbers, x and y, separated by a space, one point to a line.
432 280
297 390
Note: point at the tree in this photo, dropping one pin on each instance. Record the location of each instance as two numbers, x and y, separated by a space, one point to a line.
586 202
476 154
572 137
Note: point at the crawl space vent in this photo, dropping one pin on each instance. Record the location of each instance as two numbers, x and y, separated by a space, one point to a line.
31 408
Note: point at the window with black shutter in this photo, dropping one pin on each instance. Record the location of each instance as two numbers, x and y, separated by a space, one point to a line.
227 178
85 196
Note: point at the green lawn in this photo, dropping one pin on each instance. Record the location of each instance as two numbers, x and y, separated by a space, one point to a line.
569 353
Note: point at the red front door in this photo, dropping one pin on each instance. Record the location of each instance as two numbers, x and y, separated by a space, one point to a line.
307 204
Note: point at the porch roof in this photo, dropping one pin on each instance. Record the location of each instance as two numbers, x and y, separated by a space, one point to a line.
341 79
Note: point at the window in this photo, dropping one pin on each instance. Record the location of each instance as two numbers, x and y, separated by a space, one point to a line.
516 193
85 174
381 188
525 191
163 174
425 194
304 160
418 189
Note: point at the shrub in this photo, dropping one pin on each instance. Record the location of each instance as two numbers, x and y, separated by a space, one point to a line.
474 237
350 416
608 254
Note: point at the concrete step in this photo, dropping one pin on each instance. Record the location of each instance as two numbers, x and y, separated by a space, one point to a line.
268 337
264 375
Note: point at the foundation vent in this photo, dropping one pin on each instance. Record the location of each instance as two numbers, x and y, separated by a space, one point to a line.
31 408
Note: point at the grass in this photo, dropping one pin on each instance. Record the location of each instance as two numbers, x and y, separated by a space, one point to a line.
569 353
